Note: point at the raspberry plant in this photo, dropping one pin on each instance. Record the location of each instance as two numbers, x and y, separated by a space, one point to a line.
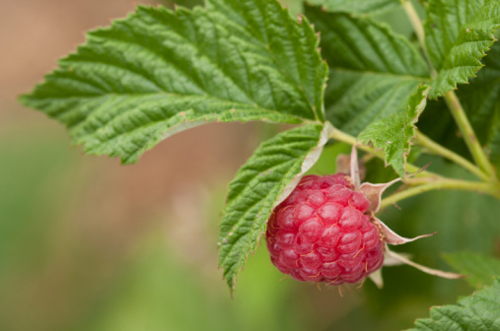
158 72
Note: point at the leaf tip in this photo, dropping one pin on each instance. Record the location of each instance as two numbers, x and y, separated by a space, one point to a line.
24 99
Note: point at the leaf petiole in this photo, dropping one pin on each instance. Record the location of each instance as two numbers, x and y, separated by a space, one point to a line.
438 149
419 31
453 103
492 189
425 181
468 134
348 139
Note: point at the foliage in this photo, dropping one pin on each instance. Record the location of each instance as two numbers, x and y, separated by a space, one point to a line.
479 312
132 84
258 187
356 6
161 71
457 37
373 70
480 269
394 134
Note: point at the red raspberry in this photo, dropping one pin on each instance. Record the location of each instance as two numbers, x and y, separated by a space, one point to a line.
322 233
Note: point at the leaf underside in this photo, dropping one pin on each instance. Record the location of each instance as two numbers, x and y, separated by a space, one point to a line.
394 134
256 189
159 71
478 312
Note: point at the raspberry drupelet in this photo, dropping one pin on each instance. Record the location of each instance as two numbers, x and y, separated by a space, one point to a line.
322 233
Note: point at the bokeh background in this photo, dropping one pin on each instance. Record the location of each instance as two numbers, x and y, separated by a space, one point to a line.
88 244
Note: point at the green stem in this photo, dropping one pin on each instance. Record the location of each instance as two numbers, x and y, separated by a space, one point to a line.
419 31
451 99
444 183
438 149
468 134
348 139
427 181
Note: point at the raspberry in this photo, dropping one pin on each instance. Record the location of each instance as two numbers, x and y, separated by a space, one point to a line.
322 233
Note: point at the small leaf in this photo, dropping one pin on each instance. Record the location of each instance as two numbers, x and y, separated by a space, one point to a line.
480 269
373 70
394 134
478 312
481 102
159 71
457 36
258 187
369 7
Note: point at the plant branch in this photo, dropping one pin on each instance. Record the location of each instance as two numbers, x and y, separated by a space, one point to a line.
438 149
419 31
492 189
468 134
348 139
451 100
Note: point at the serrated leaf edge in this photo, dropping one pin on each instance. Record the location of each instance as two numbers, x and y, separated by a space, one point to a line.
310 159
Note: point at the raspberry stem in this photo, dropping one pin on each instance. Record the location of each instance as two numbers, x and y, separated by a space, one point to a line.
468 134
425 181
419 31
443 183
348 139
438 149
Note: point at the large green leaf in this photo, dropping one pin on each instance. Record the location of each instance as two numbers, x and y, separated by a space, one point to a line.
458 33
160 71
478 312
394 134
356 6
373 71
263 182
480 269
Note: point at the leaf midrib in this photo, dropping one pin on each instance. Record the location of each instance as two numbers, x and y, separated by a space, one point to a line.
286 74
168 94
386 74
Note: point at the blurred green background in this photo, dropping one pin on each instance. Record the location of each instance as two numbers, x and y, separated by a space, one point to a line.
88 244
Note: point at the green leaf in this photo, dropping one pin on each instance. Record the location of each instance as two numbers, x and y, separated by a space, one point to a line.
478 312
394 134
481 101
369 7
267 178
373 71
457 36
480 269
158 72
